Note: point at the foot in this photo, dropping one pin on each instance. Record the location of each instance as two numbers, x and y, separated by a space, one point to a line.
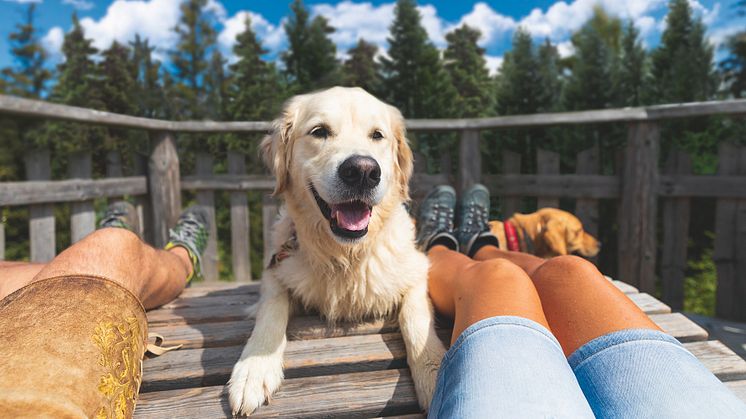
191 232
473 230
121 214
435 221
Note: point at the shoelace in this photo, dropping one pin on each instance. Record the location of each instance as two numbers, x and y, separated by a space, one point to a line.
442 216
476 216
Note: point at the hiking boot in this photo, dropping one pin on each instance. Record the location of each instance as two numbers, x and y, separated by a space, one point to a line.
473 230
121 214
435 221
191 232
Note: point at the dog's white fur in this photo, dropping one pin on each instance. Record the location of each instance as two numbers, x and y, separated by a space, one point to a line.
378 275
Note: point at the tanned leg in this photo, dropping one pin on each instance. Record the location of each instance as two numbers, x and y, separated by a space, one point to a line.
469 291
581 305
526 261
154 276
16 275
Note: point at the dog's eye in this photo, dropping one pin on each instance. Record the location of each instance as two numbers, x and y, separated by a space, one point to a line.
376 135
320 132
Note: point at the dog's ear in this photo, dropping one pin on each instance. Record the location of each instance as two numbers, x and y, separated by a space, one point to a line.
275 147
404 158
555 236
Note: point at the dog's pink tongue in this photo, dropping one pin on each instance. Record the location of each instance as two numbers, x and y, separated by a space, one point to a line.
353 217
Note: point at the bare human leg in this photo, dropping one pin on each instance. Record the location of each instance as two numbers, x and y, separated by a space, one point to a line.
15 275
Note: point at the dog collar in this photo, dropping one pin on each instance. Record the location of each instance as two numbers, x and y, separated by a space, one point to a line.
511 235
287 248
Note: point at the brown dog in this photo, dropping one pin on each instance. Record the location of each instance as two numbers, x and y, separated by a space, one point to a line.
545 233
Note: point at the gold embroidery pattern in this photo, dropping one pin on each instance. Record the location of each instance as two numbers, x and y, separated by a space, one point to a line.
121 345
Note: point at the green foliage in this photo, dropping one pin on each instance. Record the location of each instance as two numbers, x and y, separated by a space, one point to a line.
700 284
734 66
631 77
30 76
519 84
362 69
465 63
146 73
310 60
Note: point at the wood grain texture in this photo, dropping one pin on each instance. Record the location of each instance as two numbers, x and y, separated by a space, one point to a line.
553 186
675 235
240 248
41 217
206 199
511 166
229 182
356 395
40 192
638 207
586 209
469 160
82 215
719 359
200 289
547 163
738 388
164 186
142 202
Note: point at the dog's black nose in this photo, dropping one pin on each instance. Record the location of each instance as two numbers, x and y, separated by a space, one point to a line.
360 171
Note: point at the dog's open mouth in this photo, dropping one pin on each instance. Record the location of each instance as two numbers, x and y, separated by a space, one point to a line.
347 219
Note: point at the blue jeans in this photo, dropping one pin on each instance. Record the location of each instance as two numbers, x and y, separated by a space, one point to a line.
511 367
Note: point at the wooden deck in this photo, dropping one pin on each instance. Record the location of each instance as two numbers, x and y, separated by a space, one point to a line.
353 370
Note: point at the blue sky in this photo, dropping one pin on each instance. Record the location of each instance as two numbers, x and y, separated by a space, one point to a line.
107 20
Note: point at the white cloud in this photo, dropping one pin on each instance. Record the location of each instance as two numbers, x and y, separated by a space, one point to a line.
52 41
353 21
565 49
492 24
493 64
271 36
23 1
79 4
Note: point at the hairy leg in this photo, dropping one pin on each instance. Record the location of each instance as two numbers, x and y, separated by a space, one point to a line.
581 305
15 275
154 276
469 291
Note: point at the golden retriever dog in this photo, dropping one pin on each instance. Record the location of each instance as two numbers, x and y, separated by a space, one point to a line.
344 242
546 233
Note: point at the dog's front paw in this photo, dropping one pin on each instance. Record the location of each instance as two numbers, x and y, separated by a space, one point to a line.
425 374
254 380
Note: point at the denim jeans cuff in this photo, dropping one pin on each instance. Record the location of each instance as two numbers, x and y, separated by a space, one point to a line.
612 339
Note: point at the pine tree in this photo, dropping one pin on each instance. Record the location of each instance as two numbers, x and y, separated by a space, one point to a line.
589 85
310 59
550 77
465 63
682 64
196 39
255 91
216 87
519 83
118 88
361 69
631 77
146 74
734 66
31 75
415 79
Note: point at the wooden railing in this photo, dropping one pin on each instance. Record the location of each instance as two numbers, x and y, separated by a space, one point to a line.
157 185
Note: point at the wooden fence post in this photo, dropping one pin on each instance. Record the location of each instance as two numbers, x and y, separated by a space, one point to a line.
82 214
638 207
206 199
2 237
240 249
164 186
586 209
511 164
269 215
547 163
675 235
730 240
142 202
41 216
114 164
469 160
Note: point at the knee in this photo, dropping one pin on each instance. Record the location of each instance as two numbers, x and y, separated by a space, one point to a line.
493 271
565 270
119 240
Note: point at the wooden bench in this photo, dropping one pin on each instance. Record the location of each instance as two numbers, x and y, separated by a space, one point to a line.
351 370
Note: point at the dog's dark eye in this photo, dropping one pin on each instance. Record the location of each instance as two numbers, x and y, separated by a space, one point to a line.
376 135
320 132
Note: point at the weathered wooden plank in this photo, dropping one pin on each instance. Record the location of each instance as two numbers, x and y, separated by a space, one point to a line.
82 215
702 186
40 192
638 207
511 165
41 217
210 300
625 287
649 304
229 182
547 163
675 236
719 359
240 249
164 186
142 202
114 164
726 227
220 288
206 199
356 395
738 388
680 327
554 186
740 252
303 358
469 160
270 209
586 209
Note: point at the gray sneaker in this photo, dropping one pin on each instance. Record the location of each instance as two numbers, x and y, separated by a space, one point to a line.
191 232
121 214
473 230
435 221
